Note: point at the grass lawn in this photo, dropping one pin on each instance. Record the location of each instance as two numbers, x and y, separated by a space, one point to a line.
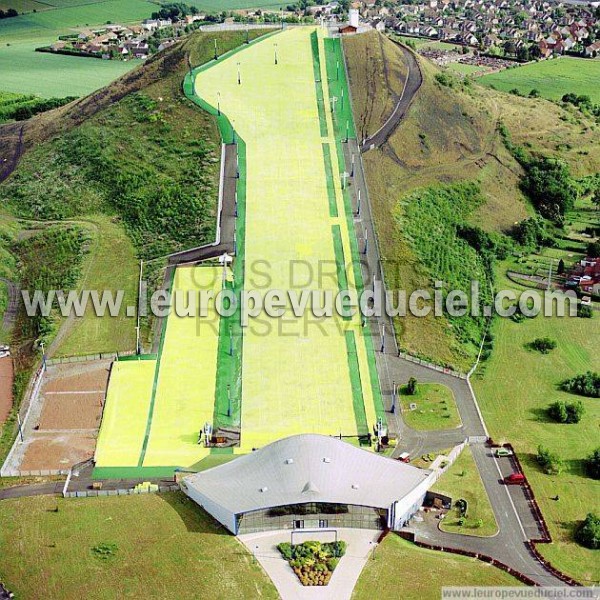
462 480
91 334
424 44
436 407
552 78
466 69
29 72
164 546
402 570
514 392
221 5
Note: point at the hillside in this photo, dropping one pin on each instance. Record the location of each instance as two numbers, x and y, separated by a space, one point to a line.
128 172
448 136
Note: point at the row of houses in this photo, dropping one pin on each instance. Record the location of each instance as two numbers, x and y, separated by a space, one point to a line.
585 275
120 41
554 28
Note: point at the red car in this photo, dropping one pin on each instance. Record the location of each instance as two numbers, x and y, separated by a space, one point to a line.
514 479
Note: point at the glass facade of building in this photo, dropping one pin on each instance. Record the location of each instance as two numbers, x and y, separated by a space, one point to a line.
312 515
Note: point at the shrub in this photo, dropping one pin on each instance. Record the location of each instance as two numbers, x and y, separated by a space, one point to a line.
551 463
592 464
564 412
588 534
543 345
104 551
586 384
584 311
411 387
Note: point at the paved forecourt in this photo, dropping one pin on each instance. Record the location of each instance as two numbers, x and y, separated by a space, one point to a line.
299 374
155 408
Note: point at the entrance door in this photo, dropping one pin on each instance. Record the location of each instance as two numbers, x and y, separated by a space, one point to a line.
299 524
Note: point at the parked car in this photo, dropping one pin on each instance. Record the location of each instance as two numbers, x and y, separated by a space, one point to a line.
503 452
514 479
404 457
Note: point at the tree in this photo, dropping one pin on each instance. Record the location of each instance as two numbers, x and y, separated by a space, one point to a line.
411 387
550 462
592 464
588 534
510 47
584 311
586 384
543 345
561 267
593 249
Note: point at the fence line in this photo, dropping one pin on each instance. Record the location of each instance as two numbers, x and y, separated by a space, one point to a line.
88 357
121 492
31 393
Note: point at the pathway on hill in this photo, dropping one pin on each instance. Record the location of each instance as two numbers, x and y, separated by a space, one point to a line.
412 85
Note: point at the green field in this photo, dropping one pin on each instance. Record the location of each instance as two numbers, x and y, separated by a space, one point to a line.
54 75
514 392
462 480
402 570
436 407
552 78
46 25
466 69
164 546
221 5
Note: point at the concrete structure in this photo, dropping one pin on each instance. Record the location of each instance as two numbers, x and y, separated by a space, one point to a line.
310 481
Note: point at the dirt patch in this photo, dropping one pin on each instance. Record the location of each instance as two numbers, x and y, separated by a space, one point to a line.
58 452
71 411
84 377
6 387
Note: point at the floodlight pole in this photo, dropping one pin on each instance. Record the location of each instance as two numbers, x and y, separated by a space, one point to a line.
352 169
239 74
230 342
247 34
235 208
383 338
216 52
337 70
333 101
358 204
347 130
393 397
275 45
342 99
228 400
344 176
219 104
366 241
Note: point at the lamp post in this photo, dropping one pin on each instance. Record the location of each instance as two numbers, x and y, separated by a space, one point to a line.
230 342
239 74
216 52
228 400
275 46
219 104
358 205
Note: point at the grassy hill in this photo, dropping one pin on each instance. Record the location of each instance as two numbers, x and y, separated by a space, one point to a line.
450 136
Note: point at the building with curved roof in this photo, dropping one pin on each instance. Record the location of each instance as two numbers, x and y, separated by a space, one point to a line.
310 481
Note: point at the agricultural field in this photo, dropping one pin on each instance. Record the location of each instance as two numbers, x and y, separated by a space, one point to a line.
151 546
552 78
221 5
462 481
436 407
393 572
53 75
516 413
